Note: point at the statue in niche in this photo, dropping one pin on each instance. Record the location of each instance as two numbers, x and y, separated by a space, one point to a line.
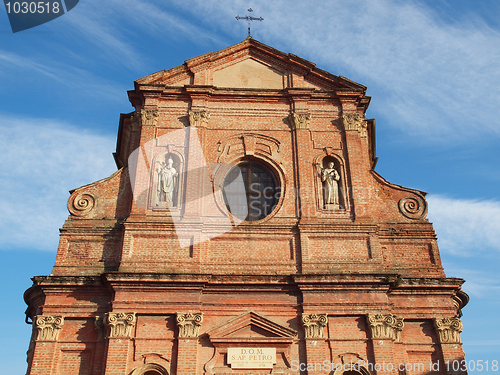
167 182
330 178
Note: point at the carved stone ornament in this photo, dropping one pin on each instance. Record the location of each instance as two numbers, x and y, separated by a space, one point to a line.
385 326
198 119
448 330
82 204
189 324
314 325
119 324
355 121
413 207
300 120
48 327
149 116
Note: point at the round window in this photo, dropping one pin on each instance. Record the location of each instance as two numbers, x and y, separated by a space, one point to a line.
250 191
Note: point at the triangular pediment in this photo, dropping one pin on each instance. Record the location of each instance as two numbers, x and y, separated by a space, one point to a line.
249 64
251 326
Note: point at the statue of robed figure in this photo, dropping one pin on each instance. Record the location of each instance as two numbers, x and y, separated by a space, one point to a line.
330 178
167 182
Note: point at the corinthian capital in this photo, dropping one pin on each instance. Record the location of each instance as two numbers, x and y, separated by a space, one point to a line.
300 120
385 326
149 116
448 330
119 324
189 324
355 121
198 119
314 325
48 327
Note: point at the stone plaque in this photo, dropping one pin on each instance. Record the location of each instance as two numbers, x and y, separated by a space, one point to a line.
251 358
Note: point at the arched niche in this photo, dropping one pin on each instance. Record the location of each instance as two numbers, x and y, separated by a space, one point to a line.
167 182
329 166
351 369
150 369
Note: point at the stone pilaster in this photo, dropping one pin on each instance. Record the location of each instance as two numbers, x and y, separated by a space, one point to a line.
316 345
448 332
119 329
48 327
187 345
385 331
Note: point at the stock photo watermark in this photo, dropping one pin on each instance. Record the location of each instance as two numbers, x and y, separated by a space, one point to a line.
24 15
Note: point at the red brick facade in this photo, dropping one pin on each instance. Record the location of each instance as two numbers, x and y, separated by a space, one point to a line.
141 289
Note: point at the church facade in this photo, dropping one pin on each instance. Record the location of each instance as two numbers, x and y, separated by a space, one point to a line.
246 232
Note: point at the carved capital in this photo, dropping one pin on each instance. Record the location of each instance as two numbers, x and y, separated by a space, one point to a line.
189 324
119 324
448 330
385 326
198 119
149 116
355 121
314 325
48 327
300 120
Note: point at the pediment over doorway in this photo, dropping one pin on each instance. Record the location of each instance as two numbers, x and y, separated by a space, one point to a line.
250 330
251 327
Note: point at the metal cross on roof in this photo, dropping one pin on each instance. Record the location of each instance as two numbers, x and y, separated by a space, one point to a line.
249 18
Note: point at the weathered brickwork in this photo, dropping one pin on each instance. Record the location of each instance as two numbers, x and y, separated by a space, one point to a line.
345 267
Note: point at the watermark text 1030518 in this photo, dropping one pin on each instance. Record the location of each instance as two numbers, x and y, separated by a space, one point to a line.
27 14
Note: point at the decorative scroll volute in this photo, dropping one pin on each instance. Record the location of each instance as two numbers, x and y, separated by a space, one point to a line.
413 207
314 325
385 326
81 204
189 324
119 324
199 119
48 327
300 120
448 330
354 121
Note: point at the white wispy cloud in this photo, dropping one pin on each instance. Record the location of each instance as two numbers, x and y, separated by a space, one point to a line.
465 226
42 161
439 78
21 67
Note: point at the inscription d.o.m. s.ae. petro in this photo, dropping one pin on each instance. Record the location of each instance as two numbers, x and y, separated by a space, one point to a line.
251 358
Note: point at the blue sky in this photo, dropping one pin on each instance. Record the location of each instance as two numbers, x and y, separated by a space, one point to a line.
431 67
